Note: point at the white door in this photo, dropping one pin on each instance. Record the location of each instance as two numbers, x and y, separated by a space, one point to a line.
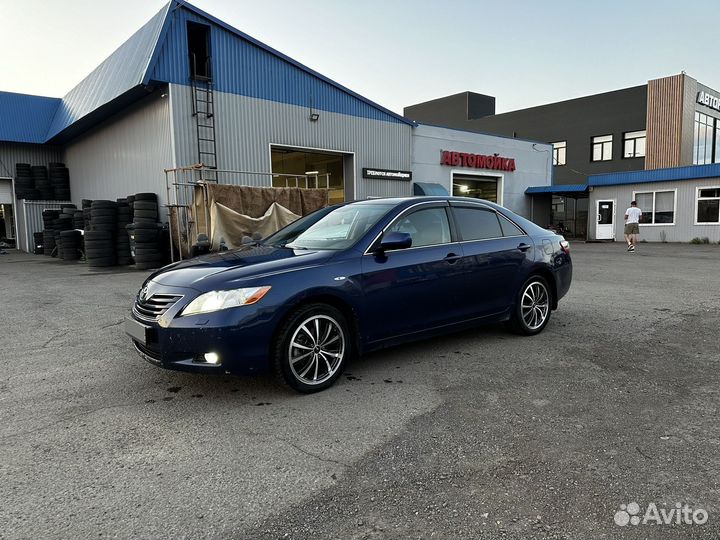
605 220
6 191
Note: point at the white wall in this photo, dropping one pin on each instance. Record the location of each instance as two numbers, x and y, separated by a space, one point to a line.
533 161
124 155
684 228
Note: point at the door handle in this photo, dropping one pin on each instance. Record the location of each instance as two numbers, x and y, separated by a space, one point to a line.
524 247
451 258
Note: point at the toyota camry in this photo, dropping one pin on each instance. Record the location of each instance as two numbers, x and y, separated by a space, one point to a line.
349 279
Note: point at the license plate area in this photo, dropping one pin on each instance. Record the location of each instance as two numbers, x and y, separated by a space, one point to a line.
138 331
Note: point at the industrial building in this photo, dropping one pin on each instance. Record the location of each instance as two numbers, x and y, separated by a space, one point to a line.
656 142
187 88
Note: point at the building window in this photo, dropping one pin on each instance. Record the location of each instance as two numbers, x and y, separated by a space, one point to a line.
602 148
658 207
708 205
706 145
559 153
634 144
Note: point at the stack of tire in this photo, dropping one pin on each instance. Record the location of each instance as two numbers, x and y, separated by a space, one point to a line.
71 244
49 217
100 239
122 238
64 222
145 244
78 219
24 183
60 180
42 184
38 243
87 212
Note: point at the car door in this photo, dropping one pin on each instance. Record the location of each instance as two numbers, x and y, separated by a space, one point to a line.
494 249
413 289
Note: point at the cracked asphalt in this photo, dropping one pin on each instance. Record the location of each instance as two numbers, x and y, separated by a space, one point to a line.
481 434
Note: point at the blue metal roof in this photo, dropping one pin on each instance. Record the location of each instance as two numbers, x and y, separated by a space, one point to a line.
248 67
120 72
25 118
157 52
656 175
558 189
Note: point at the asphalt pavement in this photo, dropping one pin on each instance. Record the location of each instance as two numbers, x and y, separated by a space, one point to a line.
481 434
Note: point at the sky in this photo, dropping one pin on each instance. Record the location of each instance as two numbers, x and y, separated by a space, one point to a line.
397 52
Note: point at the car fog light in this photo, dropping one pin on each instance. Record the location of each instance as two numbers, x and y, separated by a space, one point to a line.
212 358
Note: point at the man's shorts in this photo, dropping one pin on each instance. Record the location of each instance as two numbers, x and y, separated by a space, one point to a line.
632 228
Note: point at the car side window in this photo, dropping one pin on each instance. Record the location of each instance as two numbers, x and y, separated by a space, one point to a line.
477 223
509 228
426 227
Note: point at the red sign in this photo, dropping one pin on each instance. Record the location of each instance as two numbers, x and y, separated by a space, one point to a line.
477 161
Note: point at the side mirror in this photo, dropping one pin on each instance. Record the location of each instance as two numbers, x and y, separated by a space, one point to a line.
395 240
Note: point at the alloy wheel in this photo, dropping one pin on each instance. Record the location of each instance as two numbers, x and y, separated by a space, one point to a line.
316 349
535 305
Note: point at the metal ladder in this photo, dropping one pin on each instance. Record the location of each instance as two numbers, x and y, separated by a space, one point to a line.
203 104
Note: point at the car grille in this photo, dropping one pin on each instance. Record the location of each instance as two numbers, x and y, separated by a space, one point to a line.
149 354
152 307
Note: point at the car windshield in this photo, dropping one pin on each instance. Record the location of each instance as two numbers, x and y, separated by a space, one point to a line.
341 228
289 233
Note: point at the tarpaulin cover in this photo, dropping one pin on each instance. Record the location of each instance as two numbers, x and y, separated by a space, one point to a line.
230 226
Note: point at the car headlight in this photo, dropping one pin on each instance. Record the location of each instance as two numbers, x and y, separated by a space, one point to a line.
217 300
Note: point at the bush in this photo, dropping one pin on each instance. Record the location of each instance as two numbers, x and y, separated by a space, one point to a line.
703 240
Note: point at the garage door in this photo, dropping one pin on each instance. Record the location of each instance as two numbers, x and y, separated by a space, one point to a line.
5 191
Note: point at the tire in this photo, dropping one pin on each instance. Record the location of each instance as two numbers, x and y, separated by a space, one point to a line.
144 221
526 319
145 197
96 204
103 212
145 205
293 340
141 237
146 214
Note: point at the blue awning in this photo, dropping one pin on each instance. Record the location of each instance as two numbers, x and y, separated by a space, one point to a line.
574 189
427 188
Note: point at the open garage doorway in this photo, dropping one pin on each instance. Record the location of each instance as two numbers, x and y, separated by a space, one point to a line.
318 165
478 187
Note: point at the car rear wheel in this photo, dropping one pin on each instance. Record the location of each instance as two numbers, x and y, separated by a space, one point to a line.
532 307
312 348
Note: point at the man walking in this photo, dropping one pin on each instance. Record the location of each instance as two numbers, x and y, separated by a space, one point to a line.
632 225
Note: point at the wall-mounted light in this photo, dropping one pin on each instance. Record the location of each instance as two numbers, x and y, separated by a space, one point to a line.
314 117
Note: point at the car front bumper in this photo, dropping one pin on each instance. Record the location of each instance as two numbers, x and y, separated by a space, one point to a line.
240 336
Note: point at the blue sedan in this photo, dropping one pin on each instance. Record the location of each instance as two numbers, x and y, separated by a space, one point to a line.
350 279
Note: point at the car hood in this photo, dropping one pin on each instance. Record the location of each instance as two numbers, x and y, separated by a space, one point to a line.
220 270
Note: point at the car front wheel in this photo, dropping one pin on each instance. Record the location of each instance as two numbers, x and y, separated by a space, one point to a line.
532 307
312 347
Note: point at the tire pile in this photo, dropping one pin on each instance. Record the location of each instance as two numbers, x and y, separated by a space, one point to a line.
60 181
24 182
72 243
42 184
122 238
49 217
100 239
145 238
37 182
64 222
38 243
